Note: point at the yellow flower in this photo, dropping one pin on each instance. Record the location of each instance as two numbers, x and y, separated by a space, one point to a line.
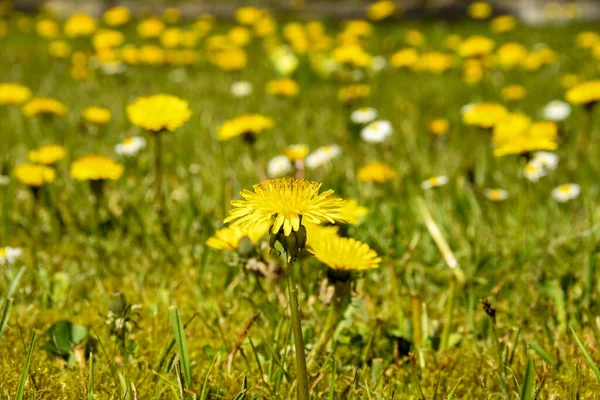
47 155
13 93
159 112
414 38
150 28
239 36
495 195
473 71
171 15
510 55
452 41
80 24
513 92
96 168
434 61
476 46
587 39
485 115
171 38
248 124
44 106
296 152
404 58
228 238
352 55
203 24
345 254
479 10
230 60
358 27
377 172
584 93
116 16
97 115
353 211
34 175
503 23
107 39
59 49
282 87
381 9
439 126
151 55
290 201
351 93
516 134
247 15
47 28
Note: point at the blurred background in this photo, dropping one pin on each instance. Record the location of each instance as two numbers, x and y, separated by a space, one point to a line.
529 11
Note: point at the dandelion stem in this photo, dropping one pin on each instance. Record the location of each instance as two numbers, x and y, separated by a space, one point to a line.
448 316
416 314
158 170
301 370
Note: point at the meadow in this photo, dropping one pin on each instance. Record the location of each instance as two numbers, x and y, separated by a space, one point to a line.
466 152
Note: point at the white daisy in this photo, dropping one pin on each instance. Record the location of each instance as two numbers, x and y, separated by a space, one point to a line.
112 68
434 181
533 171
322 156
130 146
284 60
546 159
363 115
378 63
495 194
557 110
241 88
376 132
566 192
279 166
9 255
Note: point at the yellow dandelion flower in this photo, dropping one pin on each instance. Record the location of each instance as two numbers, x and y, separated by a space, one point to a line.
345 254
289 201
377 172
34 175
233 59
44 106
47 28
479 10
47 155
476 46
159 112
349 94
80 25
404 58
353 211
503 23
296 152
13 93
513 92
95 168
59 49
97 115
485 115
150 27
248 124
171 15
107 39
439 126
116 16
247 15
381 9
511 55
282 87
229 237
584 93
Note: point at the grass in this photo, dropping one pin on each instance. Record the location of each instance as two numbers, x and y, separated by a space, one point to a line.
530 258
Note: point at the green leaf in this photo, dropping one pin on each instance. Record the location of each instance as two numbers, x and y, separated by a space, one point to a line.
25 370
587 355
528 381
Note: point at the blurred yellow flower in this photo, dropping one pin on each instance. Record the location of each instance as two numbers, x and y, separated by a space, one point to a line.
116 16
296 152
479 10
404 58
47 155
59 49
80 25
381 9
47 28
414 38
349 94
345 254
229 237
587 39
97 115
485 115
13 93
159 112
291 202
510 55
171 15
356 27
34 175
439 126
230 60
284 87
171 38
377 172
239 35
352 55
584 93
151 55
248 124
503 23
95 168
516 134
247 15
44 106
434 61
353 211
150 27
513 92
476 46
107 39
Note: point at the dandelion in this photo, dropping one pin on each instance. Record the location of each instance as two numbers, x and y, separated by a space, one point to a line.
586 93
116 16
476 46
13 93
95 168
495 195
376 132
80 25
439 126
97 115
513 92
9 255
434 181
484 115
44 106
296 152
322 156
158 113
503 23
566 192
479 10
150 28
279 166
353 211
248 126
381 9
35 176
282 87
376 172
345 254
363 115
229 238
404 58
131 146
241 89
47 155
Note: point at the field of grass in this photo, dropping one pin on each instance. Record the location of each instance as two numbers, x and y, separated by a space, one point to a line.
118 297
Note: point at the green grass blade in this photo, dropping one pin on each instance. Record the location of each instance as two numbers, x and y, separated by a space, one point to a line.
587 356
184 356
6 307
25 371
13 284
541 352
528 381
451 394
90 395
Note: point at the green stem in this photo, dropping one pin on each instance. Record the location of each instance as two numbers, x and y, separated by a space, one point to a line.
448 316
327 332
158 172
301 370
397 298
